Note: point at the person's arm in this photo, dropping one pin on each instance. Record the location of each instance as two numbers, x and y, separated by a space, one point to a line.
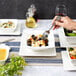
65 22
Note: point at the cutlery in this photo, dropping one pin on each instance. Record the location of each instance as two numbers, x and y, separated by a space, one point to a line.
7 40
46 33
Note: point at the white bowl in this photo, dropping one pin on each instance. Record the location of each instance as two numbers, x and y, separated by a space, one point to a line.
70 39
8 29
73 61
3 46
26 34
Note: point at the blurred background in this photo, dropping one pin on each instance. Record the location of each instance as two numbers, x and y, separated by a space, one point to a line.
16 9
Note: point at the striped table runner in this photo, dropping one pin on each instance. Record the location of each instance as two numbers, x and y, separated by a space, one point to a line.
15 46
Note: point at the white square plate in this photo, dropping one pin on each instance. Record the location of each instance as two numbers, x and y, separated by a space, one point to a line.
63 40
25 51
29 52
17 31
70 39
66 62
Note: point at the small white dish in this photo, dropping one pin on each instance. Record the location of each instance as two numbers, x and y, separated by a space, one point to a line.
16 32
3 46
63 40
14 21
26 34
73 61
67 65
70 39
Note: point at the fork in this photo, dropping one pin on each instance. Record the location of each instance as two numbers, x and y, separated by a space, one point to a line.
48 31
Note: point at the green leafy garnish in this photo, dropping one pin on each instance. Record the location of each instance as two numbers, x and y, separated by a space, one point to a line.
71 34
14 67
70 49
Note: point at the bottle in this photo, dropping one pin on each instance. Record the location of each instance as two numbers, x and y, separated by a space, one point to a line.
30 20
34 10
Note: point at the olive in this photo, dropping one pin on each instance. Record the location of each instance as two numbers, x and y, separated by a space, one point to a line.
46 35
29 44
46 44
40 45
29 41
33 36
40 39
46 41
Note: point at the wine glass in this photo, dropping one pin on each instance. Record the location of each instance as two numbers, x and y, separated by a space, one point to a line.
61 10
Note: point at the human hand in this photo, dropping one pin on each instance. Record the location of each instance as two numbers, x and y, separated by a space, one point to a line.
65 22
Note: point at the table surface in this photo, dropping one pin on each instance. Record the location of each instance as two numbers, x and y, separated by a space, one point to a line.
51 66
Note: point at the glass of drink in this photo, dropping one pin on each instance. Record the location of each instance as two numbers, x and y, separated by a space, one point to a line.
61 10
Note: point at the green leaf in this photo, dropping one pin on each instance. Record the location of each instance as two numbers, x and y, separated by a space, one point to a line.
14 67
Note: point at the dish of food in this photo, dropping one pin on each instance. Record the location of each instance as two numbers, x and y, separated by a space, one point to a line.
69 32
8 24
33 39
37 41
70 36
72 53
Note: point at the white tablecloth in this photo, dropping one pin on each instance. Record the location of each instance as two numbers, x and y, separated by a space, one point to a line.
47 71
35 70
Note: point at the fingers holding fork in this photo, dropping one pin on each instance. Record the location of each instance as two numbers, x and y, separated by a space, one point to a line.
56 18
